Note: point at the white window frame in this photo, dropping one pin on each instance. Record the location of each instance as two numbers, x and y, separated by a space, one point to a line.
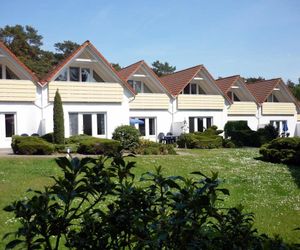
134 82
3 125
94 123
204 119
190 89
280 129
147 125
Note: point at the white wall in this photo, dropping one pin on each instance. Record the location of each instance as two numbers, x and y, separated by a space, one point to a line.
27 120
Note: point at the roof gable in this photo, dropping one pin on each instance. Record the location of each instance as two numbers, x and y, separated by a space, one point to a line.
16 61
86 46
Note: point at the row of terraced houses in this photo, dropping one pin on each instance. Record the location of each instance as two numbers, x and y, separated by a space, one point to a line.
97 99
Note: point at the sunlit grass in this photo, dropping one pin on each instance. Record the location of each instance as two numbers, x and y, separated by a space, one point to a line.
269 190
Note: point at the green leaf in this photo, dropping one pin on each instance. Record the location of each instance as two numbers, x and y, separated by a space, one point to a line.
224 191
13 244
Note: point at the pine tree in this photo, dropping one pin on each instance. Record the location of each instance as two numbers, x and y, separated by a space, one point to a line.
58 120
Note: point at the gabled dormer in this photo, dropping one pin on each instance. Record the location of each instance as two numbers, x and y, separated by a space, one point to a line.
274 97
86 76
195 89
242 101
150 92
17 82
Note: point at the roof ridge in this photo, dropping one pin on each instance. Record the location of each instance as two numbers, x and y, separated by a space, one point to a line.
199 66
266 80
141 61
222 78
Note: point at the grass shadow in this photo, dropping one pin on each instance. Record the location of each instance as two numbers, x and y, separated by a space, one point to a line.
294 169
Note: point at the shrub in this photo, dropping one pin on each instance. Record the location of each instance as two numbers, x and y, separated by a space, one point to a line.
58 120
63 148
31 145
76 139
245 138
200 140
172 212
48 137
128 136
228 143
267 134
96 146
282 150
231 126
147 147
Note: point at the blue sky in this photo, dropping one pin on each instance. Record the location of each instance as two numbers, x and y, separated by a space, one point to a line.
246 37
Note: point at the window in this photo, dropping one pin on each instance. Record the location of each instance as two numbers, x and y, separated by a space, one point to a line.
85 75
139 87
146 125
96 77
193 89
100 124
63 76
152 126
10 74
233 96
272 98
73 120
9 125
0 71
87 124
197 124
280 126
74 74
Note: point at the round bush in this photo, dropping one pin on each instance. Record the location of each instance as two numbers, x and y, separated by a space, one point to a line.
128 136
31 145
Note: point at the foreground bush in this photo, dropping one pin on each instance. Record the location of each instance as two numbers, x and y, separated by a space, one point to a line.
98 146
98 204
147 147
128 136
232 126
31 145
207 139
282 150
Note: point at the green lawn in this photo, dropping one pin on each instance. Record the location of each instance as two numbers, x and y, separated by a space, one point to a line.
271 191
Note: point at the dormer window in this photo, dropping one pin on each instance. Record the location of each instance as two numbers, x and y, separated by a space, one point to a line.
139 86
77 74
6 73
233 97
193 89
272 98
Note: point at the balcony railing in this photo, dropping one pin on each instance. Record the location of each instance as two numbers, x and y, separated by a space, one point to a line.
211 102
87 91
242 108
17 91
150 101
278 108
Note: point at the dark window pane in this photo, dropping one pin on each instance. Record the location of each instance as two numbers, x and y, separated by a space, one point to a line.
146 89
85 75
142 127
10 74
191 125
200 91
9 125
235 98
200 124
62 76
73 119
151 126
0 71
100 124
193 89
96 77
74 74
275 98
186 89
130 83
208 122
87 124
138 86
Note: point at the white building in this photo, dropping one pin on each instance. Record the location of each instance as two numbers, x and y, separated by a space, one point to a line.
97 99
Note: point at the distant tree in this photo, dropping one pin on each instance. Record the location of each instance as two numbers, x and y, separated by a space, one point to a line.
116 66
58 120
295 88
65 49
162 68
254 79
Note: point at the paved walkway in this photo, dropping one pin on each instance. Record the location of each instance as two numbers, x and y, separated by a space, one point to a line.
6 151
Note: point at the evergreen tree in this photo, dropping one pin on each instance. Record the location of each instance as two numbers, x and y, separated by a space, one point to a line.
162 69
58 120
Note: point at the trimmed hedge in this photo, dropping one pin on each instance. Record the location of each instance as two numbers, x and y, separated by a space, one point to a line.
128 136
95 146
231 126
147 147
282 150
31 145
199 140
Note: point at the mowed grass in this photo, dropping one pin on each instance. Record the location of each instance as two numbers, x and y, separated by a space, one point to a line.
270 191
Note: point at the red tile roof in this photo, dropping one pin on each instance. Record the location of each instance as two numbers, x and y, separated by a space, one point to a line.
177 81
262 89
226 83
34 77
50 75
128 71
